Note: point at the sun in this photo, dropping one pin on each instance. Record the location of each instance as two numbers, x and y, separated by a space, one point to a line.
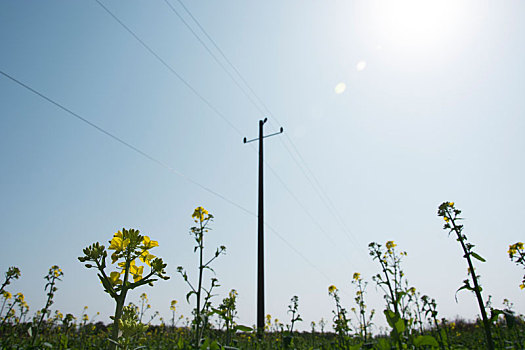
415 23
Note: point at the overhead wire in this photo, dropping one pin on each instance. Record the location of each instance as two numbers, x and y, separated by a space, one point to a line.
158 162
127 144
170 68
211 53
243 90
265 110
217 47
212 107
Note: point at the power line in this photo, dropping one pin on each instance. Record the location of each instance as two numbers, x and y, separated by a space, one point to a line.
118 139
319 190
213 108
160 163
315 183
212 54
305 210
188 85
322 195
225 58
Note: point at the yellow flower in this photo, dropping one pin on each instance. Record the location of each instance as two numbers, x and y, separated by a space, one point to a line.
332 289
357 275
85 317
6 295
390 245
136 271
114 278
199 213
451 204
118 243
522 286
173 303
148 243
147 257
519 245
19 297
445 218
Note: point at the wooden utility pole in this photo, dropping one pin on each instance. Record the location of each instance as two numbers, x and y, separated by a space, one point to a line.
260 231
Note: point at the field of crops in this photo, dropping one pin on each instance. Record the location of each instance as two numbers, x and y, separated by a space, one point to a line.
413 319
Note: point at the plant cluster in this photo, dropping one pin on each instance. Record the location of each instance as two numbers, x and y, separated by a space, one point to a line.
413 318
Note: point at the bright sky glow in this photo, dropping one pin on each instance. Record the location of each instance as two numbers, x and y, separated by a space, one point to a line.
421 21
360 66
340 88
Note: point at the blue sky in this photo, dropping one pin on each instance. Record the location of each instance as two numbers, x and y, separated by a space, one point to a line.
428 108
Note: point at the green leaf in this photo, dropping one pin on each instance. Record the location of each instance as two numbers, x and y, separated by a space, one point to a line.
180 343
426 340
400 325
214 346
189 295
242 328
465 286
444 336
477 256
383 344
390 317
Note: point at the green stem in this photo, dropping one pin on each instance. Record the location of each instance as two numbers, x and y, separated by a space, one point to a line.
7 313
118 314
441 343
44 310
362 311
477 290
199 289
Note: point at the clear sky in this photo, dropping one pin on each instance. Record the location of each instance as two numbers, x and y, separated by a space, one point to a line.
389 108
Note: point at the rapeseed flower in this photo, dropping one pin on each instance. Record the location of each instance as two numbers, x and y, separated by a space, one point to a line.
199 213
146 257
114 278
136 271
148 243
118 243
390 245
19 297
514 248
332 289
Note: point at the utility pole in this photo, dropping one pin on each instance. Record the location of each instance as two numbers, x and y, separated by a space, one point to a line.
260 232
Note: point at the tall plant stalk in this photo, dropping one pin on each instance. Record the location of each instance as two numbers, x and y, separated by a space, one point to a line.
201 217
451 216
